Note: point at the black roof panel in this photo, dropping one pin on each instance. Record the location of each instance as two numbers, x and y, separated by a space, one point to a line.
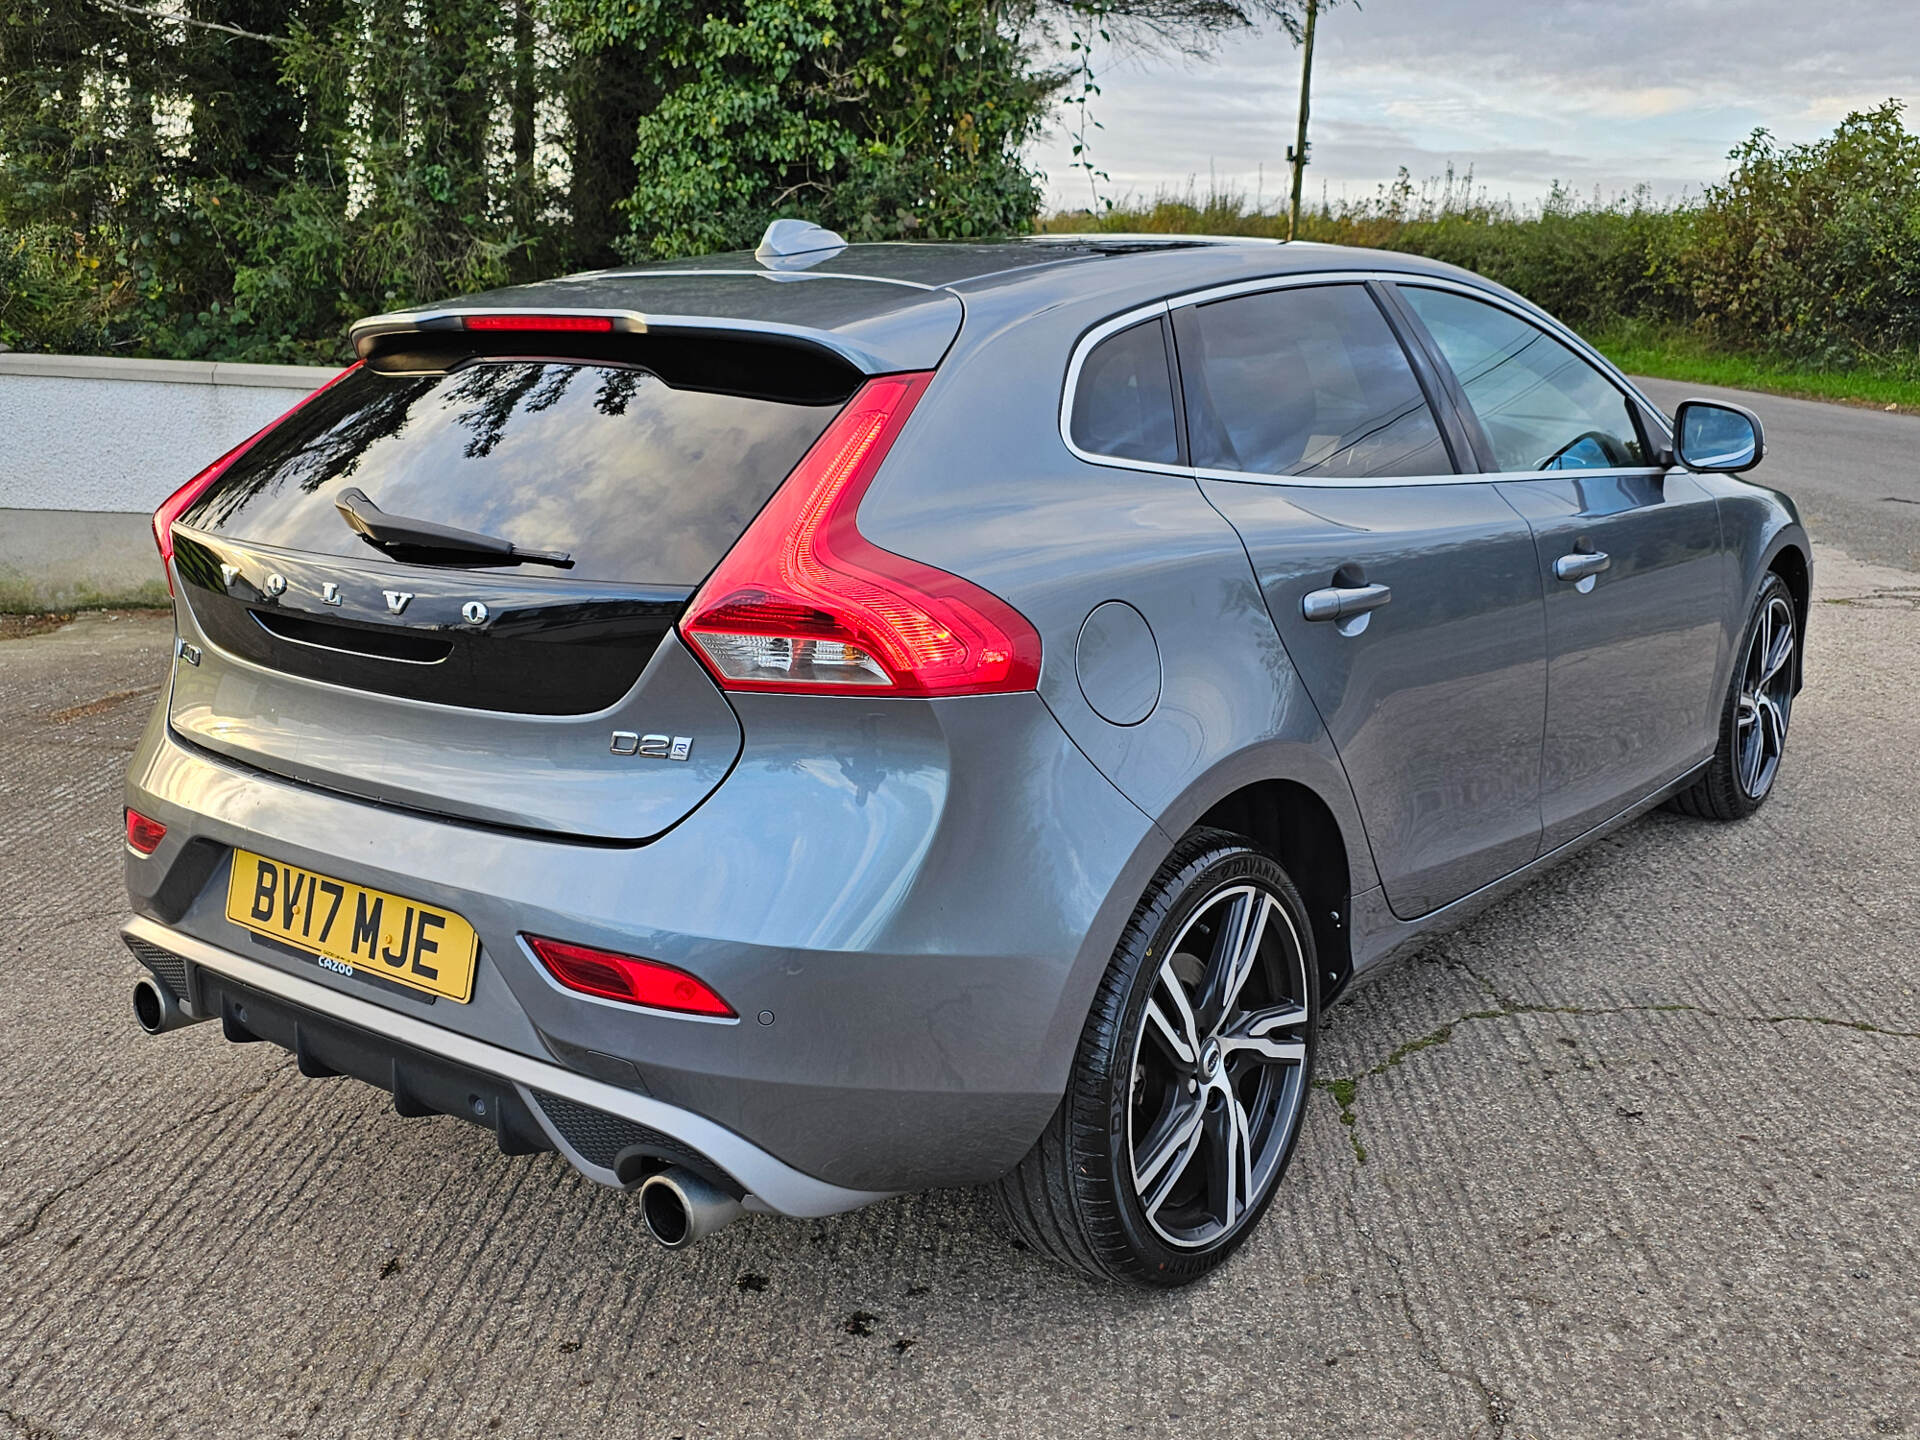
896 305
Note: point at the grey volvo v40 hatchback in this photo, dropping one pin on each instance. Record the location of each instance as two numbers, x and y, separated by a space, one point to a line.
789 728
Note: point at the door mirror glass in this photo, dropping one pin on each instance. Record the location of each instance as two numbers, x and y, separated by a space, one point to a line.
1712 436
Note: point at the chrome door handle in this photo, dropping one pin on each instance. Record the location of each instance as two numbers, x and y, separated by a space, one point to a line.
1580 565
1342 602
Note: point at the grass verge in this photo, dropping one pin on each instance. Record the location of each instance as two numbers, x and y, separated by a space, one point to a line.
1670 355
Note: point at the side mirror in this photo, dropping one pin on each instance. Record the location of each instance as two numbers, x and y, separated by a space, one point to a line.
1711 436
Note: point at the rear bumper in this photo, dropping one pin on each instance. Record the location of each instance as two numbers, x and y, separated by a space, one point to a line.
909 904
529 1104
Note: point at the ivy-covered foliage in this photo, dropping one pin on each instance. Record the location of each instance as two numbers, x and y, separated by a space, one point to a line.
884 120
240 179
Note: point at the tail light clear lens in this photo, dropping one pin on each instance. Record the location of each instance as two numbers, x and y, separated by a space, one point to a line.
175 504
612 976
144 833
804 603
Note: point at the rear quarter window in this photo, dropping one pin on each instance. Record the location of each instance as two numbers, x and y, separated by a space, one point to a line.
638 480
1123 400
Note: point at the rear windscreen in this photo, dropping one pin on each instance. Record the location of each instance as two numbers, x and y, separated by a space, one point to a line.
636 480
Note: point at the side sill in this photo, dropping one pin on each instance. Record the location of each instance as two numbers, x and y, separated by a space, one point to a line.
1386 937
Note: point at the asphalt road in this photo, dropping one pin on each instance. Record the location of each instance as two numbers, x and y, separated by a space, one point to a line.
1633 1154
1855 473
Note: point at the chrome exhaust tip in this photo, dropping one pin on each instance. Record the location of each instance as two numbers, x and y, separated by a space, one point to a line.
680 1208
158 1009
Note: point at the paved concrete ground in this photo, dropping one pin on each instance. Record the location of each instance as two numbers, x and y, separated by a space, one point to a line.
1637 1153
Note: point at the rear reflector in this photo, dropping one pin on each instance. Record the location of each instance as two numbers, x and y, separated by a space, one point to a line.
600 324
804 603
144 833
627 978
176 504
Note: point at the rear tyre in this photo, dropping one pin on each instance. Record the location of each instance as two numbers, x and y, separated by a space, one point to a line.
1753 722
1187 1089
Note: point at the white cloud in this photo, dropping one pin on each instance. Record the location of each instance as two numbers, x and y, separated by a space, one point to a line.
1607 93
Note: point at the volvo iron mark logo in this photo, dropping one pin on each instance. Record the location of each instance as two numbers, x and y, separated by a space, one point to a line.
474 612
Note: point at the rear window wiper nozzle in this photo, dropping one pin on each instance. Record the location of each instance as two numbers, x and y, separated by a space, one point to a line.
403 533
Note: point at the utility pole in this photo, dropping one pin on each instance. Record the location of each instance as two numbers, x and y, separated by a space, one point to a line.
1297 154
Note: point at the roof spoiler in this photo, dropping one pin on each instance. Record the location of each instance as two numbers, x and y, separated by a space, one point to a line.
724 356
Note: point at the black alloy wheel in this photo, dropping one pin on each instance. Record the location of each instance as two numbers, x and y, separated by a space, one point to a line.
1190 1080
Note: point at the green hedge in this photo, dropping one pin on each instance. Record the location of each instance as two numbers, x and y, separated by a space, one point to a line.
1810 252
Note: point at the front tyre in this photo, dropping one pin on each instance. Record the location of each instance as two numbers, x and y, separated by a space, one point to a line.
1753 721
1190 1079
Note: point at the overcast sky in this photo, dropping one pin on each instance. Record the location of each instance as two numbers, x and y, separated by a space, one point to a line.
1607 93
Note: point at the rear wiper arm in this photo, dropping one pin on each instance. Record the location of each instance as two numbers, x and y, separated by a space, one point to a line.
402 533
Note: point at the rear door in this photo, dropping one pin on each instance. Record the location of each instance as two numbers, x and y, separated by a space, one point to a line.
548 696
1406 594
1629 557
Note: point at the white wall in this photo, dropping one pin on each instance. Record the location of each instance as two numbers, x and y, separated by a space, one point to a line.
86 432
90 445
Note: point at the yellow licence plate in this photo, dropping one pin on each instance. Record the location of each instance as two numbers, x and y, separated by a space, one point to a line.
355 927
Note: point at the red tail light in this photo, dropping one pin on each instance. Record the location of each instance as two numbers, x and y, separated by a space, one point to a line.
601 324
804 603
626 977
175 504
144 833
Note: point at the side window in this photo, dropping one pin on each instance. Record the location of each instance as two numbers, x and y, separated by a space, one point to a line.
1541 405
1123 403
1303 381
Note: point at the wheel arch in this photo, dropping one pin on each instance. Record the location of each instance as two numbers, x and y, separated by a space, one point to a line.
1790 562
1291 820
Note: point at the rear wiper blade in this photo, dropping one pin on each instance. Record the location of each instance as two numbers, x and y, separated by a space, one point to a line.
403 533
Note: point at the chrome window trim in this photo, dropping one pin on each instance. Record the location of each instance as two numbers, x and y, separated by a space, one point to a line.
1387 482
1276 282
1538 318
1081 350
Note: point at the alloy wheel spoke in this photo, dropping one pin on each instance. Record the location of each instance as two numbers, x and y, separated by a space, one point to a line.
1262 1035
1170 1015
1230 1158
1752 753
1778 651
1236 949
1162 1158
1169 1034
1774 725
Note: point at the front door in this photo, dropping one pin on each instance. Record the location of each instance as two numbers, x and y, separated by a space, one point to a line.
1629 557
1407 596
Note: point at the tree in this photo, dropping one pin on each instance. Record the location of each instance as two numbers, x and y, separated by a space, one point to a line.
240 179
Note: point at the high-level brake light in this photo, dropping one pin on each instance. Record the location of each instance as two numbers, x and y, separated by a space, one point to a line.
613 976
599 324
176 504
804 603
